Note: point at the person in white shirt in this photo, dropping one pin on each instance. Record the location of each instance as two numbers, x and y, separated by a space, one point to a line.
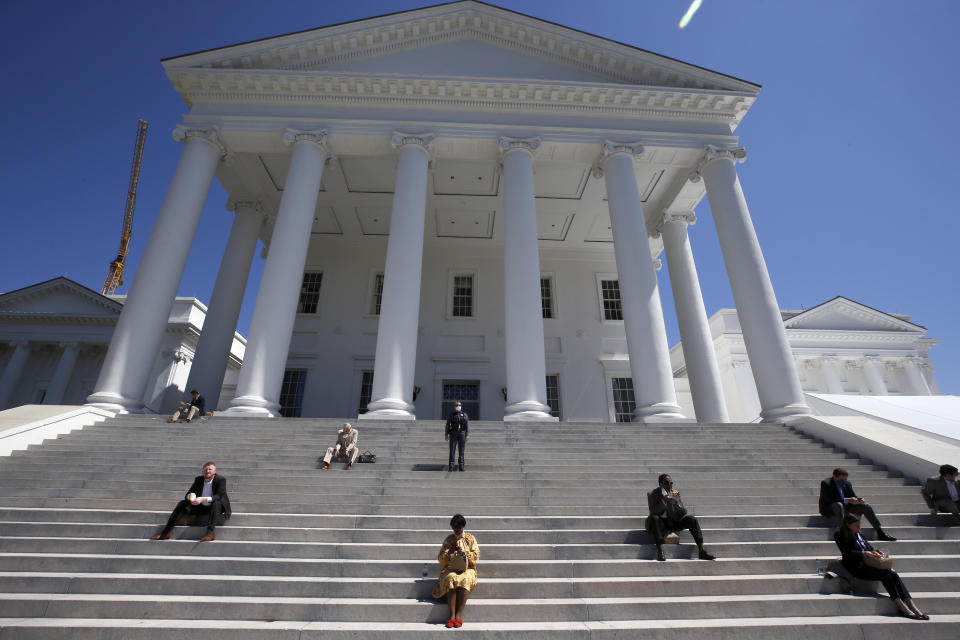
207 499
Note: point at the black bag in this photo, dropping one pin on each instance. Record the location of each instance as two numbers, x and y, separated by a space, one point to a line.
366 456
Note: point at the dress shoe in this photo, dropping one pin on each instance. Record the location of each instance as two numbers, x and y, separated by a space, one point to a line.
457 622
461 467
325 467
451 623
660 556
161 536
451 469
883 536
349 466
703 555
207 538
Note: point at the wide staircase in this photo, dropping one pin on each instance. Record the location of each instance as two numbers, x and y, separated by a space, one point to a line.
557 509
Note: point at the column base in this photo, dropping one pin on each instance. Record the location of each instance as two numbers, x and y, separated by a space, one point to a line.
781 414
252 407
660 412
115 402
528 411
388 409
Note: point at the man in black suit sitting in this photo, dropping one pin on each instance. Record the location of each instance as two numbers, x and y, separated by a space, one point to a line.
667 514
942 493
838 498
207 499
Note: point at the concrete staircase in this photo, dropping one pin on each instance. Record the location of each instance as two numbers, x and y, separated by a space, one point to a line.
337 554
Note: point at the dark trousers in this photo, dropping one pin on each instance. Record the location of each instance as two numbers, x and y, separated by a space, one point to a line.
865 510
205 515
457 439
659 527
948 506
890 579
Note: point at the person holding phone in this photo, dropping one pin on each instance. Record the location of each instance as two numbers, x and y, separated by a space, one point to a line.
668 514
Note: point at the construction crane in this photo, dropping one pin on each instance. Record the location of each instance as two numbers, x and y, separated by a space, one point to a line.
115 274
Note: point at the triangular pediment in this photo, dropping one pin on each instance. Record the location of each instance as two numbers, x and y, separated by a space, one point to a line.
60 296
458 39
468 57
843 314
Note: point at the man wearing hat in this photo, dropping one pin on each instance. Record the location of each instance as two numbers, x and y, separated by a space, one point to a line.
458 432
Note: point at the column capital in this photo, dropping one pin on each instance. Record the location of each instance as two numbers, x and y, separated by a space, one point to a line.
245 203
317 137
508 144
713 152
611 148
19 342
811 363
210 135
854 364
683 217
70 345
402 138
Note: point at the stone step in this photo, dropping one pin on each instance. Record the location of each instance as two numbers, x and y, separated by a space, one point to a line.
875 627
82 605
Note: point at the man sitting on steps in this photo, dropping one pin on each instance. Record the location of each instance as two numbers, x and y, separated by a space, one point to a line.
838 498
667 514
942 493
207 499
346 448
196 406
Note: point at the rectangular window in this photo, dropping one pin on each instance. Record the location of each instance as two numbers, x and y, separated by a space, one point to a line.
462 296
610 292
366 391
623 400
553 395
376 294
309 292
291 392
467 392
546 296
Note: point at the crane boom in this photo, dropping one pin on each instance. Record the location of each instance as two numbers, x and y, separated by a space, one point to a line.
115 273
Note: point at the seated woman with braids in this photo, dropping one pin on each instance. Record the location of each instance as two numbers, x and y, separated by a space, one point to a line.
458 563
855 550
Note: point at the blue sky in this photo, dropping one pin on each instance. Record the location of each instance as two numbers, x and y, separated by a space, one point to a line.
852 143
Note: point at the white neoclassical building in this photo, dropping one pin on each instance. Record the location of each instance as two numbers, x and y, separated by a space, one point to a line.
459 202
54 337
840 347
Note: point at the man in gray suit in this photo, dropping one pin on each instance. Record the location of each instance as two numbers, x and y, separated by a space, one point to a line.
942 493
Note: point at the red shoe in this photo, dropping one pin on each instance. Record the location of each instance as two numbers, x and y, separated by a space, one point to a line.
451 623
458 623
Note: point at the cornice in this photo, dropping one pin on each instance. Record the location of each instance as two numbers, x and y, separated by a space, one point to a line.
43 289
27 317
456 93
855 310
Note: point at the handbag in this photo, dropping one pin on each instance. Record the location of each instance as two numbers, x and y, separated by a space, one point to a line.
367 456
457 563
883 562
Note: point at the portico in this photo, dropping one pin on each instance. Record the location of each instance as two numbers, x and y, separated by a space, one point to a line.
458 197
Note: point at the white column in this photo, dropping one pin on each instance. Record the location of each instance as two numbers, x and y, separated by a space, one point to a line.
765 338
873 370
523 328
396 355
258 387
13 370
856 367
213 347
831 374
653 387
746 389
61 376
696 340
913 367
146 311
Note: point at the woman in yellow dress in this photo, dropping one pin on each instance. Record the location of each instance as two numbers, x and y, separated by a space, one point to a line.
454 584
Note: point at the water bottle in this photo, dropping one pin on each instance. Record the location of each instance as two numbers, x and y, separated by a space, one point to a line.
423 572
819 567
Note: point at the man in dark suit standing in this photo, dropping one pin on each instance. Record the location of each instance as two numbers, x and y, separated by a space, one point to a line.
837 498
667 514
207 499
457 432
942 493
